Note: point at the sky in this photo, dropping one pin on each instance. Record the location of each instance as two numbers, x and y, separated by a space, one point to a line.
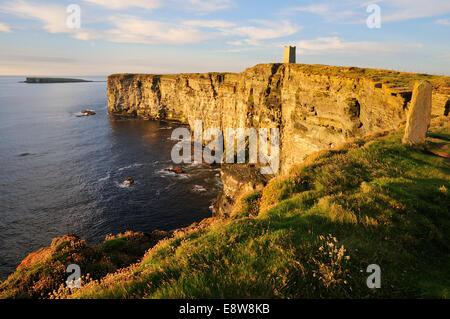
101 37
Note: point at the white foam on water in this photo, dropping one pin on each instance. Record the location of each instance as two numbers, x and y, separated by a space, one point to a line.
164 172
105 178
199 189
82 114
167 172
123 185
130 166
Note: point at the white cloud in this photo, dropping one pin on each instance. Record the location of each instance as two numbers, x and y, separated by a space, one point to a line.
85 35
121 4
354 11
330 11
205 6
209 23
444 22
4 28
400 10
267 30
244 42
248 34
201 6
129 29
334 45
53 17
132 29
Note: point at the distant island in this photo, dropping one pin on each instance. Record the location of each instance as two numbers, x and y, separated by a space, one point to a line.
53 80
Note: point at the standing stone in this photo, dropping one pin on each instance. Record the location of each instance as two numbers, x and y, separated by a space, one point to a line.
419 114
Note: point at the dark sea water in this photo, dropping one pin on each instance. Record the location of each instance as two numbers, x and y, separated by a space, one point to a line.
60 173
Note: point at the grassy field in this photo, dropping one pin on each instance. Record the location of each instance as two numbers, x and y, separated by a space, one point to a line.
312 233
390 78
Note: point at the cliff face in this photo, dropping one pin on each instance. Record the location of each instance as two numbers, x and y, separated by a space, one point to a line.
315 107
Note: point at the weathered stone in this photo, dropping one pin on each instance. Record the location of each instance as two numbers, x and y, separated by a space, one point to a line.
419 114
88 112
313 110
175 169
237 179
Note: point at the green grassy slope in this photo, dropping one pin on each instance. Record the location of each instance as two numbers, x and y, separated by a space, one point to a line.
312 233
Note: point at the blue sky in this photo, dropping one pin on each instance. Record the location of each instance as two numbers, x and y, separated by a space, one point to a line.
171 36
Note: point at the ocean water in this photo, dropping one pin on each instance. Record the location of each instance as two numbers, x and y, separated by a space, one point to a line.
61 173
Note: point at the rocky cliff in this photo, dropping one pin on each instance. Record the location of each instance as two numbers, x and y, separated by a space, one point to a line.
316 107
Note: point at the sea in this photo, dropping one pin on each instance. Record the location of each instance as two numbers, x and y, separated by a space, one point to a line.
62 173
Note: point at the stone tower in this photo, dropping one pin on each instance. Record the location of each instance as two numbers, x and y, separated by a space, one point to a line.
289 54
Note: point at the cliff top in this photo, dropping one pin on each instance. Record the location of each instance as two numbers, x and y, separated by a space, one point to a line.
392 79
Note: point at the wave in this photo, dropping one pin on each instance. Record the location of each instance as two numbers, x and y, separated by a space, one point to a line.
123 185
166 172
82 114
199 189
105 178
130 166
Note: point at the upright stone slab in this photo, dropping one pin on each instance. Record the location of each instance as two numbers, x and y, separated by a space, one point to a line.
419 114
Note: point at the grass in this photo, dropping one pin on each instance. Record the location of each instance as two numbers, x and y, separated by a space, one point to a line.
387 77
44 271
311 233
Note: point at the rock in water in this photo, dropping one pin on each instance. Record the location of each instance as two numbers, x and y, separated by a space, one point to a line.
175 169
88 112
419 114
128 181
